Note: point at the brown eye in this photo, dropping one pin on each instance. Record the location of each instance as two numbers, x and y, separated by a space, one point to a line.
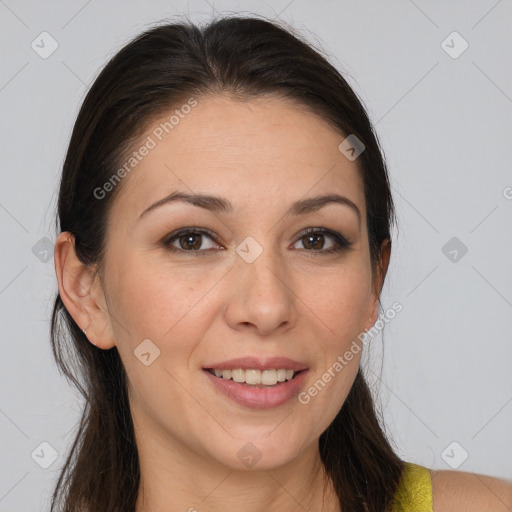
314 240
190 240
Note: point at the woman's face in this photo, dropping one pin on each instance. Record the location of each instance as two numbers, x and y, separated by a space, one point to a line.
240 282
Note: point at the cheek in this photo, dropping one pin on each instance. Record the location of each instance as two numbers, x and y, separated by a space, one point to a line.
338 303
153 300
165 308
173 307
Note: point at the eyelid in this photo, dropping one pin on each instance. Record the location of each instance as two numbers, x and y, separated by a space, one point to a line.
190 229
341 239
341 242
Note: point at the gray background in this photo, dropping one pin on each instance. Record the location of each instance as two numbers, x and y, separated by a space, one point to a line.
445 125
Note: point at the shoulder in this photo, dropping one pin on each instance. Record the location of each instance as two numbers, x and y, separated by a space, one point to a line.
462 491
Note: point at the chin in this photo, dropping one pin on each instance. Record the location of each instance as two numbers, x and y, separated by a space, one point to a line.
258 454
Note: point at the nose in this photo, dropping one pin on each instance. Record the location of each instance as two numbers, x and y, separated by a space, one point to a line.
261 298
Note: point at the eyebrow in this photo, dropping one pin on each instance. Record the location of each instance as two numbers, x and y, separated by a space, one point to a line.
221 205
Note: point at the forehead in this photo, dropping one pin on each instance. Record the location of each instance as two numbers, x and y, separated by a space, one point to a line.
257 153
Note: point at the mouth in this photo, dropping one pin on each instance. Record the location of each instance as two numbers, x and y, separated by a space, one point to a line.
258 388
253 377
258 382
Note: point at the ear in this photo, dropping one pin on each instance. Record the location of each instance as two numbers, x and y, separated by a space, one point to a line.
82 293
378 280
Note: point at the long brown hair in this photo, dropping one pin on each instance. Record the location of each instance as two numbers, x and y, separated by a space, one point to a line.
245 57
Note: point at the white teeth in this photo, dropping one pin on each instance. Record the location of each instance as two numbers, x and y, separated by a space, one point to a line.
269 377
281 375
253 377
238 375
256 377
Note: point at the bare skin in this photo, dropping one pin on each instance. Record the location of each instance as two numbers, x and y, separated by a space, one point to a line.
461 491
294 300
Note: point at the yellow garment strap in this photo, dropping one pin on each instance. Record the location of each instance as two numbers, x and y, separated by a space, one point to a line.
414 493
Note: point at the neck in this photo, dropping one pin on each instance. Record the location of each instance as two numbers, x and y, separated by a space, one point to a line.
175 478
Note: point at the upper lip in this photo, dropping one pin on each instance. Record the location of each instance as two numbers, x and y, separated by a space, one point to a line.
259 363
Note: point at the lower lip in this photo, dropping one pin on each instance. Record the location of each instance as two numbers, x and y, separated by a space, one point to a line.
259 398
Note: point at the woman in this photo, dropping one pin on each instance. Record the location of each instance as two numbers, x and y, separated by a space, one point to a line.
225 218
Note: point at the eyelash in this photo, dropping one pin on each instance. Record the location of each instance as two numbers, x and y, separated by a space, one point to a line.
341 242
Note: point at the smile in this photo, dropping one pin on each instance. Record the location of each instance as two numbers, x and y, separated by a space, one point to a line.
257 396
255 377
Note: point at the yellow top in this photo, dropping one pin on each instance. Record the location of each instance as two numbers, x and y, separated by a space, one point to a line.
414 492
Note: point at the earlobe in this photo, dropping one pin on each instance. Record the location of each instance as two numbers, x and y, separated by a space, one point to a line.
378 281
382 267
373 315
77 288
